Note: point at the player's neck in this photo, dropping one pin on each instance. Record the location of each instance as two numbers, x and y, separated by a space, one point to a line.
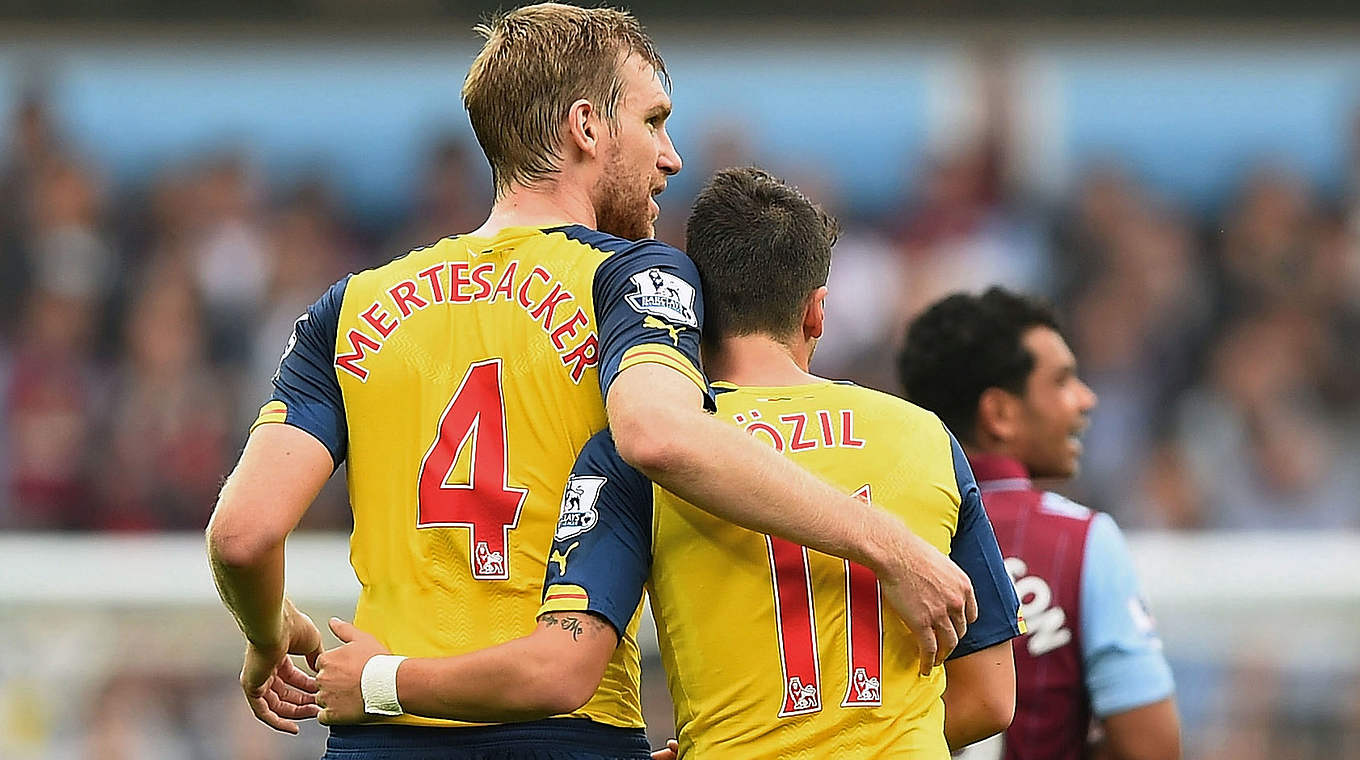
758 360
989 446
550 203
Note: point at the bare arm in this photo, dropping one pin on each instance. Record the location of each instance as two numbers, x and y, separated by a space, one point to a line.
979 696
552 671
1150 732
280 472
659 426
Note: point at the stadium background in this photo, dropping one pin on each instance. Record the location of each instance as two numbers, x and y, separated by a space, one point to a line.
179 180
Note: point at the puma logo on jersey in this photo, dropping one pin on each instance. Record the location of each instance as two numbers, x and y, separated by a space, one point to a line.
657 324
561 557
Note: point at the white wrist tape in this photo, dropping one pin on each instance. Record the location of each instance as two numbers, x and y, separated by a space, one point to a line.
378 684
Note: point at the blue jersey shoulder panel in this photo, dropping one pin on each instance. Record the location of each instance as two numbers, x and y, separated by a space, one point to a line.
594 238
974 549
647 293
305 381
602 548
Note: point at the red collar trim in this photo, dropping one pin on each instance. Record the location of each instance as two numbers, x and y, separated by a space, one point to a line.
997 472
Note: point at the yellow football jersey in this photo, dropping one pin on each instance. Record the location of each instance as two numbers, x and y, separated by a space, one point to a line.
772 650
458 383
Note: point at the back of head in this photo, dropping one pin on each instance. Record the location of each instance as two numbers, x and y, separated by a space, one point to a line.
536 62
965 344
761 248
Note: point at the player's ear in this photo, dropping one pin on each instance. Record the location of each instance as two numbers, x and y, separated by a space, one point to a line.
583 127
998 415
814 314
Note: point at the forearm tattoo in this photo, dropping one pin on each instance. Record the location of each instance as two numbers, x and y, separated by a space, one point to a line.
574 624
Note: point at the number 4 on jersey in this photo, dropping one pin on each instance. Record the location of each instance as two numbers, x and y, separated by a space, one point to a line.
481 500
797 625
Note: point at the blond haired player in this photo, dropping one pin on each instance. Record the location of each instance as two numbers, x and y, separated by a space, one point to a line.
458 382
771 650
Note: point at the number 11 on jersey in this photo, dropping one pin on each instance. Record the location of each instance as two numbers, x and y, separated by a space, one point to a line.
797 624
481 499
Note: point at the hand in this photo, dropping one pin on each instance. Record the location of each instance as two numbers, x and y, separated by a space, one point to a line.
304 637
339 672
932 595
671 751
277 691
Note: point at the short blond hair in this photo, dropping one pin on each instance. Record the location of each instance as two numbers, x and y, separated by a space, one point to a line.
536 62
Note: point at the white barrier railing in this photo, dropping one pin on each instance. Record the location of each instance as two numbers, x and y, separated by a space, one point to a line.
135 622
1178 569
1232 581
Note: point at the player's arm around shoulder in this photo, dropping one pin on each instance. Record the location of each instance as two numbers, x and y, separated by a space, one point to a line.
662 431
1130 682
593 584
552 671
655 406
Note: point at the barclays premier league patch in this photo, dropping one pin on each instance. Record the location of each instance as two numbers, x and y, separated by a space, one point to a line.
578 506
664 295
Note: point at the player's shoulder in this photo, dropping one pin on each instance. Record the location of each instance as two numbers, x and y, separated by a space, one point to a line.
888 409
599 463
369 282
326 309
601 457
600 450
449 248
651 277
613 244
1057 505
630 261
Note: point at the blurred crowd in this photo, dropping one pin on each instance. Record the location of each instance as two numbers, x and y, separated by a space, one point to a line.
142 324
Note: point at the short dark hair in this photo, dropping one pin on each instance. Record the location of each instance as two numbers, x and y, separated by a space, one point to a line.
761 247
965 344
